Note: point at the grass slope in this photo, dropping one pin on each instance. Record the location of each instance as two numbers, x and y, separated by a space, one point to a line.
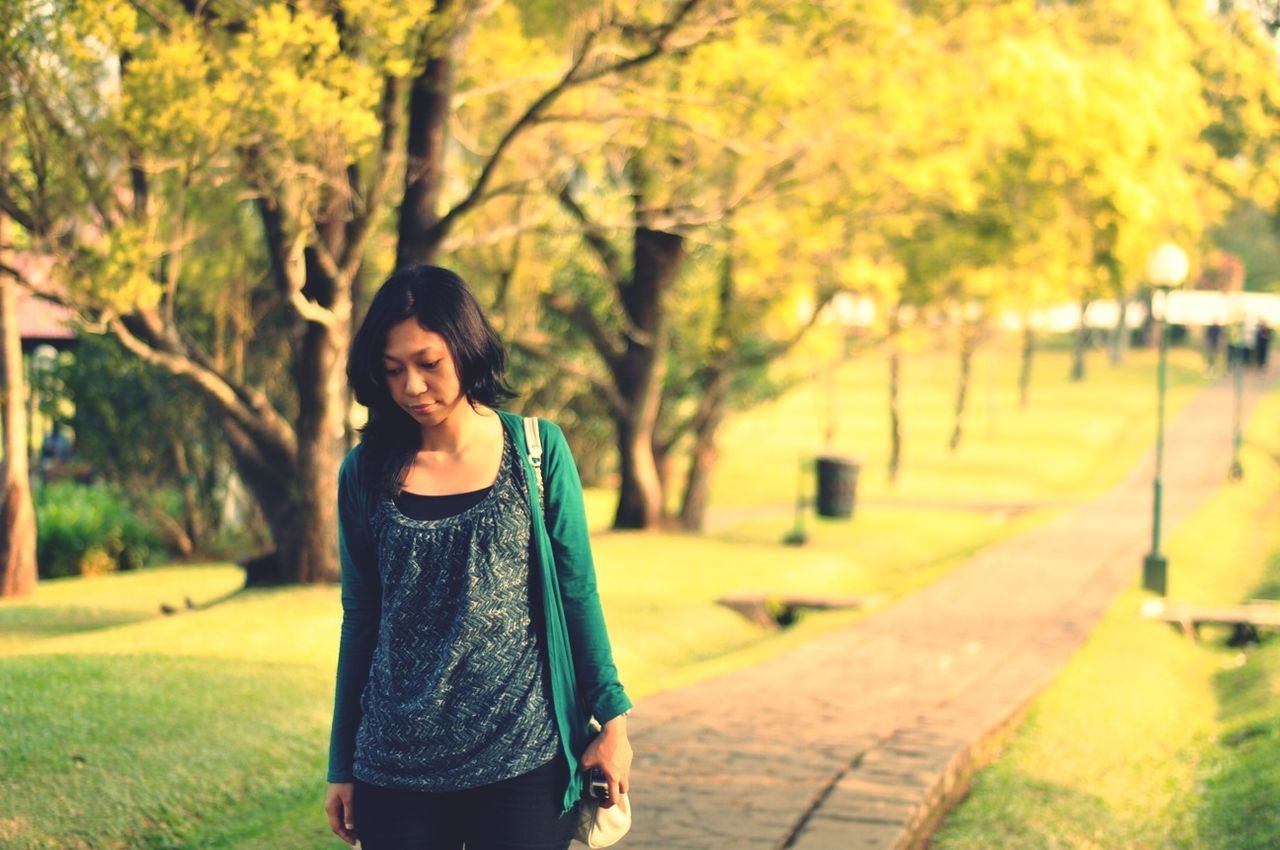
209 728
1149 740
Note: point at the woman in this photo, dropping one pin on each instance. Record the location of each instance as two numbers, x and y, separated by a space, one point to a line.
473 652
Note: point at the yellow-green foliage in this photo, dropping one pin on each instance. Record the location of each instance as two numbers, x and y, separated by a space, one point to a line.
173 102
114 271
312 96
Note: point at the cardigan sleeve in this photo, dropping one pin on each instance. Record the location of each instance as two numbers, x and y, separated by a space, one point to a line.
361 609
567 527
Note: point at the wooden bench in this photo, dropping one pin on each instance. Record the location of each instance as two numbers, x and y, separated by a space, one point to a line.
1246 619
773 610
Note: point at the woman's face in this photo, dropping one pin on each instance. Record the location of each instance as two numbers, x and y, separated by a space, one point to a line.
421 374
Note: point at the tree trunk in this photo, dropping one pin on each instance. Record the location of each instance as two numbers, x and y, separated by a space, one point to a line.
639 486
176 534
639 374
715 395
430 103
193 520
895 408
1028 356
1081 344
320 428
18 517
693 507
968 344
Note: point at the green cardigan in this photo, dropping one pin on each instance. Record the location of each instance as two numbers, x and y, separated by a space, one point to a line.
584 680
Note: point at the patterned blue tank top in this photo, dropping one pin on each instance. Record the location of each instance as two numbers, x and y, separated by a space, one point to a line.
458 693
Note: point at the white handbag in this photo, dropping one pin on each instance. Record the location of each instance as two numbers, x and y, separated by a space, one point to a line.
601 827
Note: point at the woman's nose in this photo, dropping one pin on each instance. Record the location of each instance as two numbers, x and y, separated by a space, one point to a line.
414 384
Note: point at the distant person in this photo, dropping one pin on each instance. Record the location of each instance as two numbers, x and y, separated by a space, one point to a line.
1212 345
1261 343
1235 345
57 446
473 647
1248 334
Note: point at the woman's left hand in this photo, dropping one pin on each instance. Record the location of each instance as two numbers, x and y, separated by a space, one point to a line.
611 752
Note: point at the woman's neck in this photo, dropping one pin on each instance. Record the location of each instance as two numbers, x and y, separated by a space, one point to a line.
466 425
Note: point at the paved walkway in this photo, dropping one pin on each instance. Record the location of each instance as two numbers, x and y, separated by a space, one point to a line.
862 738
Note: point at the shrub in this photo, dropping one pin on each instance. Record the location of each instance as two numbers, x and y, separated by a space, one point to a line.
88 529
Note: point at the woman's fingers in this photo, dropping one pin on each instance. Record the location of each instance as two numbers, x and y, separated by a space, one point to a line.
615 789
339 804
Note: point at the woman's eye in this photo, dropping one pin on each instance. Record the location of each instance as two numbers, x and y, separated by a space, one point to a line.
391 373
433 364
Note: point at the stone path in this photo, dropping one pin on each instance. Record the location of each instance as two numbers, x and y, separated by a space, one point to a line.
863 738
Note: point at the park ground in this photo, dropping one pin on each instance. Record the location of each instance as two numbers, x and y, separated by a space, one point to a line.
207 728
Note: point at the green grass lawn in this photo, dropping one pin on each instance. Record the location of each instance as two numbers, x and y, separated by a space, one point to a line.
1082 435
1148 740
209 728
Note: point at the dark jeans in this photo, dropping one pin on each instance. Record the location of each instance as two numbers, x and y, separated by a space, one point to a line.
521 813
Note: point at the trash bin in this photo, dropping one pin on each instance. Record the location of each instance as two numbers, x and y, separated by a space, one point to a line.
837 486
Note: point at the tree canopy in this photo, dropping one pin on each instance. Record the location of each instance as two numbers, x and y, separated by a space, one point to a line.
654 198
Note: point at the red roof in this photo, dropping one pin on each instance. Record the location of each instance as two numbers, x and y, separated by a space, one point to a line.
41 321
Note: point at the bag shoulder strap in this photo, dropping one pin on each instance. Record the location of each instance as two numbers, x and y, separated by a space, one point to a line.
533 440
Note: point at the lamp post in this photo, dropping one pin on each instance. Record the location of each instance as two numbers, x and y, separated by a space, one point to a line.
1236 364
1166 269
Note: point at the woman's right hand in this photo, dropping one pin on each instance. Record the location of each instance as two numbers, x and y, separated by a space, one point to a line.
339 804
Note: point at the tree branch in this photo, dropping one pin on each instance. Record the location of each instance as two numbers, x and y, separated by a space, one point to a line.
658 38
10 207
768 353
379 182
252 412
17 276
606 345
151 11
538 347
288 267
328 263
100 196
715 385
592 233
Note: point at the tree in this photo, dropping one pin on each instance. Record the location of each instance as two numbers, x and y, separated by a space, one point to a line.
17 515
675 311
300 108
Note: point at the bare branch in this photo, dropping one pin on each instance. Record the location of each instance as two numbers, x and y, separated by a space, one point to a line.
493 235
328 264
99 195
606 344
540 348
379 183
288 266
310 311
593 234
780 347
153 12
10 207
18 277
659 43
526 120
257 417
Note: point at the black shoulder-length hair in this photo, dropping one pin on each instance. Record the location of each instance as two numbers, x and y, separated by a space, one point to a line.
440 302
